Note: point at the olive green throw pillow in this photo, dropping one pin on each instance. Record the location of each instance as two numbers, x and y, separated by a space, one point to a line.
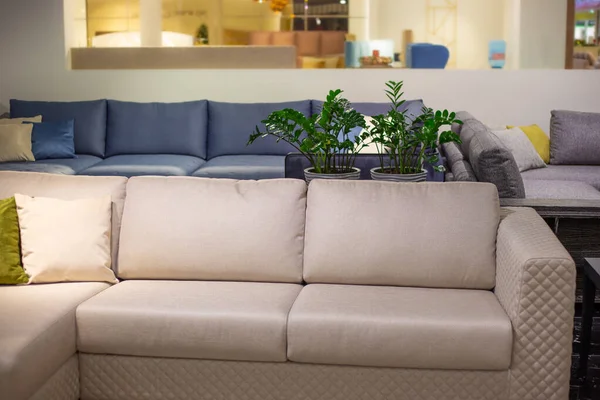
11 269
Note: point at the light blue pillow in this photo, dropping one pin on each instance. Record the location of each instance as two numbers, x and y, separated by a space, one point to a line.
51 140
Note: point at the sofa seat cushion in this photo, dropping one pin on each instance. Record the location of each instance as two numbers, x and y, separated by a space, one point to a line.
589 174
64 166
189 319
37 333
243 167
396 327
542 189
145 164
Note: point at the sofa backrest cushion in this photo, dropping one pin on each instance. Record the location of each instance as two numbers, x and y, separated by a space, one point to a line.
157 128
213 229
382 233
491 161
575 138
413 108
231 124
89 116
65 187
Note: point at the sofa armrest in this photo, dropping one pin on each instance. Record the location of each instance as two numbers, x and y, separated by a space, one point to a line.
535 283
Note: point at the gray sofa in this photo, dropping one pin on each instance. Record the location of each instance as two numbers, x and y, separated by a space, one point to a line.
573 172
198 138
213 305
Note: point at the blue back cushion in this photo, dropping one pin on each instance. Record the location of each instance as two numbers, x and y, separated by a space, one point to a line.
52 140
230 125
412 107
89 117
157 128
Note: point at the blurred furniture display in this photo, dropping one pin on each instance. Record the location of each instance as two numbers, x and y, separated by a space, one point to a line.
356 50
427 55
313 49
584 60
497 56
376 61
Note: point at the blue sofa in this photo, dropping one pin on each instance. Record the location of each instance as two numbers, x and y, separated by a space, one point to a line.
197 138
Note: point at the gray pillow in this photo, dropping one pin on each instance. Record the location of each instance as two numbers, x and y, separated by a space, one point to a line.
462 116
471 127
492 162
575 138
462 171
5 116
452 152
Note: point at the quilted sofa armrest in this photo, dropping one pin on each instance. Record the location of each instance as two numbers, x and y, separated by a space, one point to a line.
535 283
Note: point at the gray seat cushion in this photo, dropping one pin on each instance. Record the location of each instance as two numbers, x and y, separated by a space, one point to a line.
65 166
89 116
157 128
589 174
542 189
243 167
145 164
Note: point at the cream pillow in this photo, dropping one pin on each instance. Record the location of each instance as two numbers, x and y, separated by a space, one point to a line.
15 142
12 121
521 148
65 241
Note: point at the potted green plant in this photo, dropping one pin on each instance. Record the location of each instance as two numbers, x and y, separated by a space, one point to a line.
202 35
324 139
405 143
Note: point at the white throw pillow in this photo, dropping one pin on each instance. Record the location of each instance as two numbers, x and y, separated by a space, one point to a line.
65 241
521 148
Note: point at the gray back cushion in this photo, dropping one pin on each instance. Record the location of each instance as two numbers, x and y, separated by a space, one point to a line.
492 162
575 138
230 125
461 168
89 116
157 128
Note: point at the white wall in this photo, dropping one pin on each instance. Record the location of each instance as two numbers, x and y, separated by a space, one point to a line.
543 28
32 67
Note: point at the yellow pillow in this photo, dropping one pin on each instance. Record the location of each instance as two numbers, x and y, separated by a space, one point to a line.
539 139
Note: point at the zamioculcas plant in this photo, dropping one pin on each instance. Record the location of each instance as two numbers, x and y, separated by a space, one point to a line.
406 143
324 139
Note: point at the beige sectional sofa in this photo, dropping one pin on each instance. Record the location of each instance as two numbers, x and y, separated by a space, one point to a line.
269 290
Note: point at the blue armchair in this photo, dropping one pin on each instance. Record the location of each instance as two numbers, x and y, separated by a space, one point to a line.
427 55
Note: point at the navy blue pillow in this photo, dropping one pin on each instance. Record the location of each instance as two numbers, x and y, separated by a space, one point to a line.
51 140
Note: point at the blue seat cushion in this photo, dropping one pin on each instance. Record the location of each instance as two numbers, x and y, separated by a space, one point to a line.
66 166
243 167
157 128
145 164
413 108
89 116
231 124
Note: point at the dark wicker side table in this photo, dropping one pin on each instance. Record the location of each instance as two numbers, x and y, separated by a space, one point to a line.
591 282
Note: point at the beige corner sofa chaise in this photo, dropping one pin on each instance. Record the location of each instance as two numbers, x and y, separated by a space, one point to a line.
269 290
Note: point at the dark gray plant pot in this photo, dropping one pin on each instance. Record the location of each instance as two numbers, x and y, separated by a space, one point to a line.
309 175
380 176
